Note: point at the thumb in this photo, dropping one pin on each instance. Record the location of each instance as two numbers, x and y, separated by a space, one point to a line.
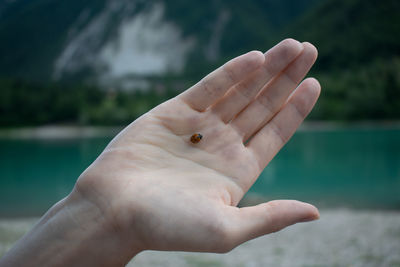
250 222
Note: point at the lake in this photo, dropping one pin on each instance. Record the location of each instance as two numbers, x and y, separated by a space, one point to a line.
346 167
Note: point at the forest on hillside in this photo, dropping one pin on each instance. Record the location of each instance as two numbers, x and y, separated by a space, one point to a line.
358 65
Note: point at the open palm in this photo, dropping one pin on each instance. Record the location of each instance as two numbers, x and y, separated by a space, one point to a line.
164 192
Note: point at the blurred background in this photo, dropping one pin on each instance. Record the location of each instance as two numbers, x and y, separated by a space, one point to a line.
73 73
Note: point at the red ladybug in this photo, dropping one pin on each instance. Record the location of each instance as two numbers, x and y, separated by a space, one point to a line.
196 138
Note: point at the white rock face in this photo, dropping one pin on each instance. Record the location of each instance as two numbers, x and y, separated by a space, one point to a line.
145 44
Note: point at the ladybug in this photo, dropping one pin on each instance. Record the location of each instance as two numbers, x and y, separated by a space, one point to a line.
196 138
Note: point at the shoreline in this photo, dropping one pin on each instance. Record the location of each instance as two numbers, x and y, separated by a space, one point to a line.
60 132
76 131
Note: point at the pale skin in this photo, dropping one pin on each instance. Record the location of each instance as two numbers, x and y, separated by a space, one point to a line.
153 189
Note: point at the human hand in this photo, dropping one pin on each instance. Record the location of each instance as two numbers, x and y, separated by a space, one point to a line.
152 188
163 192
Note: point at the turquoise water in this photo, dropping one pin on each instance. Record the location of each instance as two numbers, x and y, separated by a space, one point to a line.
347 167
351 168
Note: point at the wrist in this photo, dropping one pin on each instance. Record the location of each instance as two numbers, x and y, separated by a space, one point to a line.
74 232
116 216
97 232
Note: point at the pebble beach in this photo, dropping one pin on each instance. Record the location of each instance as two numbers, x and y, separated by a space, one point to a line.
342 237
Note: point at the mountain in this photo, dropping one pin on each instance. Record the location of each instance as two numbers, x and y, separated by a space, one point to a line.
111 40
57 57
350 33
33 33
359 54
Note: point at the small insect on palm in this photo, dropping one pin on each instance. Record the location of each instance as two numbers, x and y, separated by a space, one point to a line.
196 138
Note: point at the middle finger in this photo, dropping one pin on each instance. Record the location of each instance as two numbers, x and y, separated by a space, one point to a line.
241 94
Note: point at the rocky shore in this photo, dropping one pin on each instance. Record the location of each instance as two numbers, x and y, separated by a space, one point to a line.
340 238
